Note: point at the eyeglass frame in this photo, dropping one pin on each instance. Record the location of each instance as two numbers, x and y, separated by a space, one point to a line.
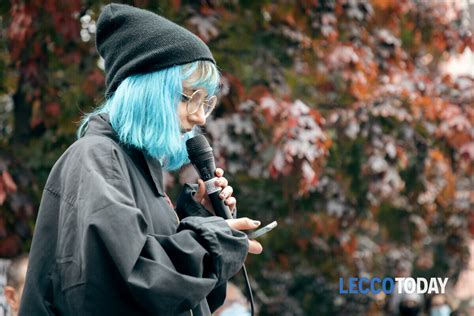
201 104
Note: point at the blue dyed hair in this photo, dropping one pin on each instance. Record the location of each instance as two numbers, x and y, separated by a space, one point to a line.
143 110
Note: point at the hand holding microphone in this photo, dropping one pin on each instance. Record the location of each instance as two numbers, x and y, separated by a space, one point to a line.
243 223
214 192
202 158
225 193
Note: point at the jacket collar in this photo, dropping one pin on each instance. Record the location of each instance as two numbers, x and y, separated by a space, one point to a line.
100 125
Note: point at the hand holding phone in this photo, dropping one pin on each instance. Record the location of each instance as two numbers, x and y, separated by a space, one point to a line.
263 230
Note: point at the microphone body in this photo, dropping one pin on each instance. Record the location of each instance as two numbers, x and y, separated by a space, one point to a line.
201 156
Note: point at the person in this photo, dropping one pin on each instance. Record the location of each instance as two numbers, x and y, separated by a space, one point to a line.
13 290
235 303
439 305
107 240
411 304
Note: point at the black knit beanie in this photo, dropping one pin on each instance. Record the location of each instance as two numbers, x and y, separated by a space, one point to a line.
133 40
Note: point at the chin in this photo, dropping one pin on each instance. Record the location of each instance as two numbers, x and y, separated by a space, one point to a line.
184 132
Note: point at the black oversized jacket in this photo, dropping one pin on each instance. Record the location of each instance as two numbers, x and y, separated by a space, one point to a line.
107 242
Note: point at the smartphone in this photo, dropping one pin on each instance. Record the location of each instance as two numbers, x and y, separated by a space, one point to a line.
263 230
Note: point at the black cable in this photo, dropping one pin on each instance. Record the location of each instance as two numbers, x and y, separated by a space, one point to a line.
249 290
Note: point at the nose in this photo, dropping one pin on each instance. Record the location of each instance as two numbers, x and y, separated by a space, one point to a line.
199 118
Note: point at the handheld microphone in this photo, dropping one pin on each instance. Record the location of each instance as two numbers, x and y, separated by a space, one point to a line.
201 156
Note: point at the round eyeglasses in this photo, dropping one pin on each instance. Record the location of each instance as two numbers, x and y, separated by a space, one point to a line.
196 100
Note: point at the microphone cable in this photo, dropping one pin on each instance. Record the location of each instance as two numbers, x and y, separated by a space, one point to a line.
249 290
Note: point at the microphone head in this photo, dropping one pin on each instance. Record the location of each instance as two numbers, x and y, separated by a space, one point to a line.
198 146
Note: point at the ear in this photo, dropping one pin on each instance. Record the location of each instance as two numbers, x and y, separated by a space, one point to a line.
12 298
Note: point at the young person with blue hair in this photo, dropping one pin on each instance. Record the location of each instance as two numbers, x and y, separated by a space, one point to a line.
107 240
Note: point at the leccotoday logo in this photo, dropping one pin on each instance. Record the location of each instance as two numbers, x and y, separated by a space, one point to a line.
376 285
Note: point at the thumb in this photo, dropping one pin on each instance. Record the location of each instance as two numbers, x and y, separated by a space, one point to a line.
201 192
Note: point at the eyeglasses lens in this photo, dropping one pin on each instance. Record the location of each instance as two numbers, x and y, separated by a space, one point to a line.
195 102
210 105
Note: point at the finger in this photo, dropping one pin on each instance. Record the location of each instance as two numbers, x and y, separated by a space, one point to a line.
199 195
255 247
243 223
222 182
226 192
231 202
219 172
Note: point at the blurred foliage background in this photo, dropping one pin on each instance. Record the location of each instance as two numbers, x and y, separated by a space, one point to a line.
335 119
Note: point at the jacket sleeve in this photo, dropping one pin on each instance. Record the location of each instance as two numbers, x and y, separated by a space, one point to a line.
187 206
166 274
174 273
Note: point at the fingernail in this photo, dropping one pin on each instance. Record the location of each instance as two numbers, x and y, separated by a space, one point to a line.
257 223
